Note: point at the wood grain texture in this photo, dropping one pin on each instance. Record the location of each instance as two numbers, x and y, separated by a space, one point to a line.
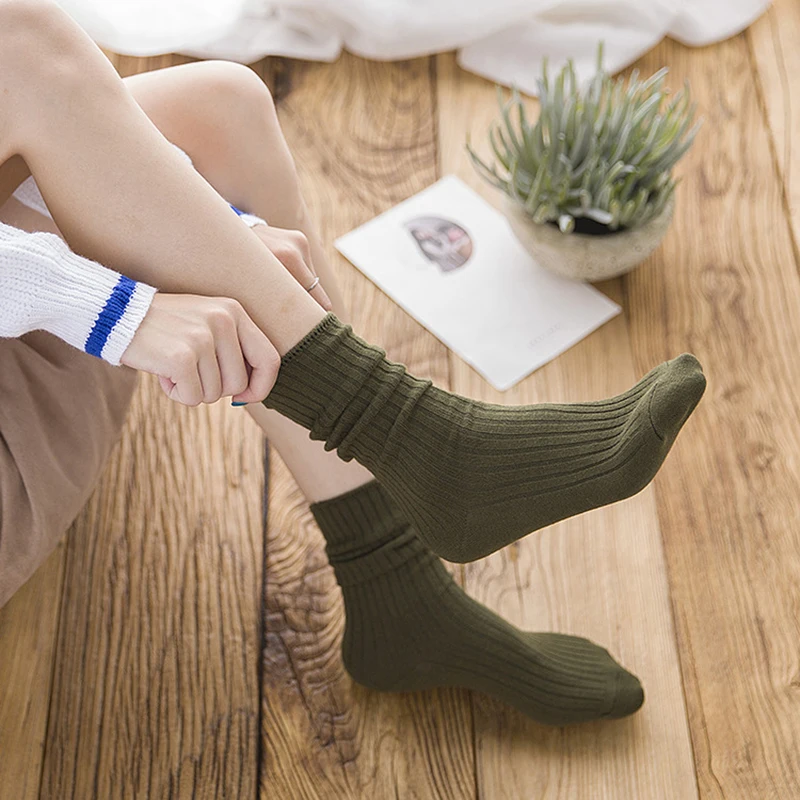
600 575
156 692
155 683
363 135
774 42
726 287
28 633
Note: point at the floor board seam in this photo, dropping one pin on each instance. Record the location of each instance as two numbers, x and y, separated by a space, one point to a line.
783 175
262 637
56 638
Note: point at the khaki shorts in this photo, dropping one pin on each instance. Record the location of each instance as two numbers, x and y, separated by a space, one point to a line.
61 412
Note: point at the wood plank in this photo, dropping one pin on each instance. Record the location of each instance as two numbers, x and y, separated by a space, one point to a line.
156 691
600 575
726 287
363 135
28 632
774 42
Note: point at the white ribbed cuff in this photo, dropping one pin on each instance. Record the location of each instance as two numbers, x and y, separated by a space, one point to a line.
48 287
125 329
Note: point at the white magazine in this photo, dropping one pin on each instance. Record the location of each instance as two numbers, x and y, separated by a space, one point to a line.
451 260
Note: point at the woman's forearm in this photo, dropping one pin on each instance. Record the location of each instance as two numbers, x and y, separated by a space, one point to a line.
118 191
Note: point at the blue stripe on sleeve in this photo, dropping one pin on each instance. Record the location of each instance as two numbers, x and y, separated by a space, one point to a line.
111 314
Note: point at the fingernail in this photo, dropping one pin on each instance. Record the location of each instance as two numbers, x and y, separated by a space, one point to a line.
236 404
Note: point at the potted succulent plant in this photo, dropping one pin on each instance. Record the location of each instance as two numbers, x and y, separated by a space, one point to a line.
589 190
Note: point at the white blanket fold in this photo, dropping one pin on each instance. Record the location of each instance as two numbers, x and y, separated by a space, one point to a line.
504 40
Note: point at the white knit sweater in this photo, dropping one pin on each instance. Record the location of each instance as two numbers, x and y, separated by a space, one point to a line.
45 286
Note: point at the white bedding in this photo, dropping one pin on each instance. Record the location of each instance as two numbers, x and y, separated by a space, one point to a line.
504 40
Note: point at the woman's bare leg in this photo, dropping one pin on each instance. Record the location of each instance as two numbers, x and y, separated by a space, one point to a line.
250 161
222 115
117 190
120 193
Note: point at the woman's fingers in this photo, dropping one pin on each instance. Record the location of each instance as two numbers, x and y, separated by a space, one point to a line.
203 348
308 275
166 385
208 367
232 365
187 388
292 249
261 357
293 252
319 294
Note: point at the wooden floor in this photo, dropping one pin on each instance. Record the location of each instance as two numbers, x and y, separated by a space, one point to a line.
183 640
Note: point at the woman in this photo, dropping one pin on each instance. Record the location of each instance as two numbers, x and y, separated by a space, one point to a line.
240 313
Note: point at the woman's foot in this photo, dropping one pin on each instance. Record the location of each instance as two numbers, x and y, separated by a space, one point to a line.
473 477
409 626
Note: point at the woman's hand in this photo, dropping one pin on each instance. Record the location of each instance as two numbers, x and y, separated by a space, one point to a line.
203 348
291 248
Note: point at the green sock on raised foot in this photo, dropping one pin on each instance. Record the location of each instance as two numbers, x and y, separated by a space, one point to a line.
409 626
473 477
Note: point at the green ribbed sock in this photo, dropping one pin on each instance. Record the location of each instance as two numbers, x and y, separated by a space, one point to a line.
409 626
473 477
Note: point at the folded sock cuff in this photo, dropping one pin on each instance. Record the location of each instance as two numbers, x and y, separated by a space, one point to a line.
320 379
344 391
366 537
357 519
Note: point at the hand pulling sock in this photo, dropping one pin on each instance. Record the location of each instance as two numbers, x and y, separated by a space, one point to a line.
470 476
409 626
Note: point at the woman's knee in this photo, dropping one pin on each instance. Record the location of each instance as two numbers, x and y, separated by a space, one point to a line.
213 109
224 116
219 95
239 114
241 109
236 86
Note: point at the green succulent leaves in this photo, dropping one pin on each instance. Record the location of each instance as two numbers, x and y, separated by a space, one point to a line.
604 151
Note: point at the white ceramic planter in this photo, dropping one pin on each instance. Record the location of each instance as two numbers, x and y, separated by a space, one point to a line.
584 257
